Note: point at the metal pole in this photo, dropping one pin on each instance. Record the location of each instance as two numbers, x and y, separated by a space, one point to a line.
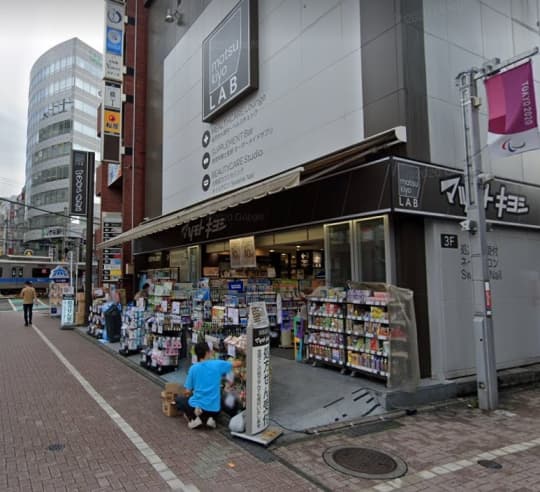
89 238
486 368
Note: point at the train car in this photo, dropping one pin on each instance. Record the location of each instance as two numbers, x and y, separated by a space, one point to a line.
15 270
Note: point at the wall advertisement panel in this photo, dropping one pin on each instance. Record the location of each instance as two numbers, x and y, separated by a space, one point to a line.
259 135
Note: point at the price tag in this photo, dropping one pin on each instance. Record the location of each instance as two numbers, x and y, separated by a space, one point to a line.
194 337
231 350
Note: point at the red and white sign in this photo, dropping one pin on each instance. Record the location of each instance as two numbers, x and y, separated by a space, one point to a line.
513 126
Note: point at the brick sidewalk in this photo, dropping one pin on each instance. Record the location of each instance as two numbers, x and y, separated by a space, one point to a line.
42 404
441 448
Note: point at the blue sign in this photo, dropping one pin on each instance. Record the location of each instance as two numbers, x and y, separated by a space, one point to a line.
114 41
59 274
237 286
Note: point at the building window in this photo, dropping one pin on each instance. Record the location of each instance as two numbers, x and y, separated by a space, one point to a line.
338 254
371 250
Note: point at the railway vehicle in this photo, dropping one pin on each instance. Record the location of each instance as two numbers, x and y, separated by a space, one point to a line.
15 270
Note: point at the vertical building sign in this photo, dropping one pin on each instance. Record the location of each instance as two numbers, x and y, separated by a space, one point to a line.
114 40
258 369
113 73
112 257
78 198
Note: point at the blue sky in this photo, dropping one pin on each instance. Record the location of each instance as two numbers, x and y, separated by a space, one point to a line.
28 28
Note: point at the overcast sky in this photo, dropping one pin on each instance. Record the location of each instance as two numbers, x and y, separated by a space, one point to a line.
28 28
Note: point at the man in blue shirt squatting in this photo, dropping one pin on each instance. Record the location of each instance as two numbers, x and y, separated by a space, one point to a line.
201 402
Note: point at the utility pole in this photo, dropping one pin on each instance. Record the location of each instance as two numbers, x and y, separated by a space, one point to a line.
89 238
475 224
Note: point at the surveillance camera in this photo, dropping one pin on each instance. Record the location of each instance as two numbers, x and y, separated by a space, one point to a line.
469 225
169 17
485 178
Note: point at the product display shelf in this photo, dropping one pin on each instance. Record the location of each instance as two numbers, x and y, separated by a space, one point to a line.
164 339
325 334
368 333
96 323
235 389
132 331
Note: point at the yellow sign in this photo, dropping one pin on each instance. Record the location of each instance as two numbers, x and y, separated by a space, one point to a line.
111 121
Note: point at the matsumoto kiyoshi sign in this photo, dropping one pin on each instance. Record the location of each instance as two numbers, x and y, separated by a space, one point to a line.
230 60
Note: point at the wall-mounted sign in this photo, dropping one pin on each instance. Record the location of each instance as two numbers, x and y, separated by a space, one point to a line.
53 231
112 96
111 121
114 171
114 40
230 60
79 200
113 67
255 137
449 241
242 252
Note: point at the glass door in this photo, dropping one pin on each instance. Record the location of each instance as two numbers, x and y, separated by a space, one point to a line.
338 259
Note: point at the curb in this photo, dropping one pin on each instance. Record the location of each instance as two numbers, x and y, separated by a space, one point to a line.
141 370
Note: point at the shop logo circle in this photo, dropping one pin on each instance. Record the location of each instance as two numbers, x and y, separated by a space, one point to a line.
206 182
206 160
206 138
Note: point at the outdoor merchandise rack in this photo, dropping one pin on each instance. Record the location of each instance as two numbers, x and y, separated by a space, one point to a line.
368 329
132 331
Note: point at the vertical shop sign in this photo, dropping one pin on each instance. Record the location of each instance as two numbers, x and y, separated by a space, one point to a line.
78 200
258 369
114 40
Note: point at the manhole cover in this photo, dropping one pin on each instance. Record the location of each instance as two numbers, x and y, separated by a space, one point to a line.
365 462
55 447
490 464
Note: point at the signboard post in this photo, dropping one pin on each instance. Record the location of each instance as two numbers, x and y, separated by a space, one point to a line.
258 378
59 278
67 320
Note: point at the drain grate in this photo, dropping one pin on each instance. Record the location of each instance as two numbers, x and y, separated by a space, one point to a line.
365 462
490 464
56 447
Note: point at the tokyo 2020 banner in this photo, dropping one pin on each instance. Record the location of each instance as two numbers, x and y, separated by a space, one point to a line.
513 126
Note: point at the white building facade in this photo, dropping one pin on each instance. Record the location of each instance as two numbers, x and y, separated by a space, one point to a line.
63 101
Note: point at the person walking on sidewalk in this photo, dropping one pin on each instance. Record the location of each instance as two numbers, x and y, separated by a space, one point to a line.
29 296
201 402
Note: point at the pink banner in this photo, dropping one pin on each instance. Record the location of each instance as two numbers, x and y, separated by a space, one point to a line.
512 112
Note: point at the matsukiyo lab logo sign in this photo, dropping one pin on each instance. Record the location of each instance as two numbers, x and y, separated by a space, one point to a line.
230 61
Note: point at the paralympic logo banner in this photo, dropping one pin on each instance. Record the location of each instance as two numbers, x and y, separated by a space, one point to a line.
513 126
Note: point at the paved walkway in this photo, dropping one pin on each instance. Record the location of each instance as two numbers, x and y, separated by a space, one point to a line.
75 418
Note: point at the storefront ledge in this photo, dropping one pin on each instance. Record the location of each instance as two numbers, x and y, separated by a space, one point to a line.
81 330
428 391
432 392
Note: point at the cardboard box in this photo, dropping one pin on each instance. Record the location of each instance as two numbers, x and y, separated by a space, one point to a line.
79 318
168 409
173 388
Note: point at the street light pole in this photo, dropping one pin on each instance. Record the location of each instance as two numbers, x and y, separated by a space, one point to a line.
475 224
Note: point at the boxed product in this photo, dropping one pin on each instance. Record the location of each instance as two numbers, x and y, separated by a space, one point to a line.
169 409
172 390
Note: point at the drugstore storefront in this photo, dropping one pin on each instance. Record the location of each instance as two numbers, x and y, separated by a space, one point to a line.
391 220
